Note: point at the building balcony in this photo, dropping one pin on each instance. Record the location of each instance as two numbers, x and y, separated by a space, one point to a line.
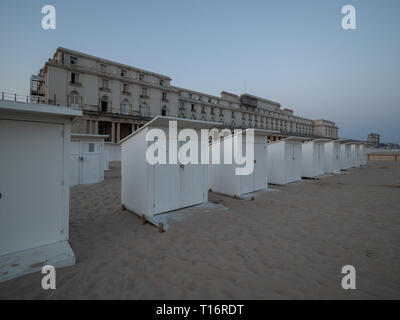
75 84
144 96
105 106
74 101
126 93
105 89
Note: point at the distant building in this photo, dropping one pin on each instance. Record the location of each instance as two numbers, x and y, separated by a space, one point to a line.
374 139
389 145
117 99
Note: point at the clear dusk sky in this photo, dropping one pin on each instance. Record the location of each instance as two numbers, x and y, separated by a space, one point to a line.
290 51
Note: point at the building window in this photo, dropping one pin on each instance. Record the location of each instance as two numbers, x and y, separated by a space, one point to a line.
164 111
74 77
125 107
190 96
126 87
73 60
141 77
104 83
74 99
143 110
144 92
212 111
103 68
161 82
123 73
193 108
164 96
104 104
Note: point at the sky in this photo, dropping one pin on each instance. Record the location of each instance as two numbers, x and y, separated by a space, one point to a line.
290 51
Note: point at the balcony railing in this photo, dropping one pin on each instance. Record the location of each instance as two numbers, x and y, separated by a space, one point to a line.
6 96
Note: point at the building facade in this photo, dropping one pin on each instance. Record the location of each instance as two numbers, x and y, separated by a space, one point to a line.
374 139
117 99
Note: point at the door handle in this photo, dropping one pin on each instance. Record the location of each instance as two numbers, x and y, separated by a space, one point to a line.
81 158
182 166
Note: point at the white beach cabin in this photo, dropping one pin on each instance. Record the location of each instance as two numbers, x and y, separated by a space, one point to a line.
284 161
363 154
34 187
355 155
222 178
313 158
332 156
150 189
112 153
345 155
87 159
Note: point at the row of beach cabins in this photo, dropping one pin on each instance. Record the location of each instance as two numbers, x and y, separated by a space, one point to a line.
40 159
149 190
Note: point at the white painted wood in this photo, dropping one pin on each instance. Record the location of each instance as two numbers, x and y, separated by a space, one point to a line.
363 153
285 161
34 187
345 156
222 177
332 156
313 159
87 159
355 155
153 189
57 254
112 152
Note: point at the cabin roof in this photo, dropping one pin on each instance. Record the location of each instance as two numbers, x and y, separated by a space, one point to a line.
35 108
89 136
291 139
163 121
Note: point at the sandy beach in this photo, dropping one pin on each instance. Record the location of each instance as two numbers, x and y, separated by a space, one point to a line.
287 244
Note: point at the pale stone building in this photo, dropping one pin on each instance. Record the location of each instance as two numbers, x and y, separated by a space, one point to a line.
117 99
374 139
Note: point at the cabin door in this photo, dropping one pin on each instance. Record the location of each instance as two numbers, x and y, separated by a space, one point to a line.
166 187
260 166
31 184
192 179
295 169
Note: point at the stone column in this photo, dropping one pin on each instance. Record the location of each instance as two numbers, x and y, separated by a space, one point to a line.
96 127
118 131
112 131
